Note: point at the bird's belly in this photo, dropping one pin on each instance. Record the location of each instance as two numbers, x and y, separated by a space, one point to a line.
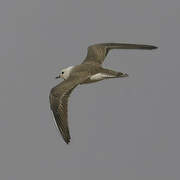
97 77
100 76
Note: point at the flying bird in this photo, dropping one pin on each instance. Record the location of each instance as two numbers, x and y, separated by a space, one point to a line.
89 71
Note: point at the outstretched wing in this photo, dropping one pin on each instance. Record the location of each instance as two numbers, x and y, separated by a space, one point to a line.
59 104
97 52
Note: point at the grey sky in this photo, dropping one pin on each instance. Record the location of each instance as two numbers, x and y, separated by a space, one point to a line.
122 128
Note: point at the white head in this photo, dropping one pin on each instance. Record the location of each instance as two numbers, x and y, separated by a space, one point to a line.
65 73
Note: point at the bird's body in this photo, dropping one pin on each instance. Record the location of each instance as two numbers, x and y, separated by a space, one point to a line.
89 71
94 73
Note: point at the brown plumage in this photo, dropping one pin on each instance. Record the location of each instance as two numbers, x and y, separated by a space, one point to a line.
89 71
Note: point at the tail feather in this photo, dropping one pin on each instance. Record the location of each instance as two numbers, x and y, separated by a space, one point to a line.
120 74
113 74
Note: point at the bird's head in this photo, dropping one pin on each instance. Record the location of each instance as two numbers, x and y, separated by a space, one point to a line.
65 73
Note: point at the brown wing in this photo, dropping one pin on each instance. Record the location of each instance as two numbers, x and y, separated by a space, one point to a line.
97 52
59 104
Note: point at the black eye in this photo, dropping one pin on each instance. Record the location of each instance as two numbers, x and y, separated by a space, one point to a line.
62 72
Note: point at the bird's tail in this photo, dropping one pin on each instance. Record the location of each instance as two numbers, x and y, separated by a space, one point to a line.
112 74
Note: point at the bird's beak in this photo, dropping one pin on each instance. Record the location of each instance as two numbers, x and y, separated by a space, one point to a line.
58 77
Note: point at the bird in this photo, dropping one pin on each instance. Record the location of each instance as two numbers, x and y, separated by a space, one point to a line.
89 71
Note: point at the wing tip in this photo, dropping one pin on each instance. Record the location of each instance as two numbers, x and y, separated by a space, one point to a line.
143 46
153 47
67 141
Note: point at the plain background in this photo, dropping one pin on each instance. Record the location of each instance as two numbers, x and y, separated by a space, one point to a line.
122 129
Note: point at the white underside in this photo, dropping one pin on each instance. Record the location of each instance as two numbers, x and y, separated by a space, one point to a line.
100 76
